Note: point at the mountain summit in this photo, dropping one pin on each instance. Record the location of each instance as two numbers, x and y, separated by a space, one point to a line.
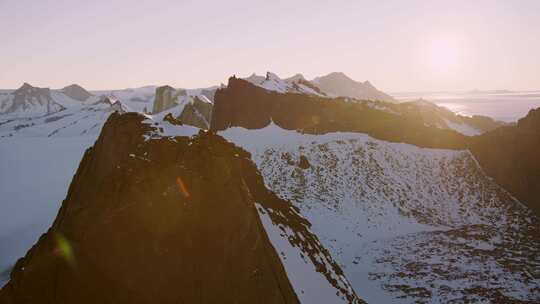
76 92
28 100
339 84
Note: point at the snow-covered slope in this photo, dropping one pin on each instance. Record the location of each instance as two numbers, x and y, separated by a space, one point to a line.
38 157
331 85
75 120
35 173
28 101
295 84
406 224
137 99
309 266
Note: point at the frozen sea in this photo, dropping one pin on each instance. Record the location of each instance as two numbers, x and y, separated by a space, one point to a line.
504 106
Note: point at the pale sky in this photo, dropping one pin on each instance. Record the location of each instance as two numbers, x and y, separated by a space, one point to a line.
397 45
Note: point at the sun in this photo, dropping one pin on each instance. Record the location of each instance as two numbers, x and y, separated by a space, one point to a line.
444 54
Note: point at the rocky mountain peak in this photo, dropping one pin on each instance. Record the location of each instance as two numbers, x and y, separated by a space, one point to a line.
338 76
339 84
26 86
272 76
174 220
76 92
296 78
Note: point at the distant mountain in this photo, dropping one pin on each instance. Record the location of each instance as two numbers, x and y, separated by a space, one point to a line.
296 84
157 218
244 104
84 119
440 117
331 85
28 100
195 110
137 99
142 99
422 111
114 103
76 92
340 85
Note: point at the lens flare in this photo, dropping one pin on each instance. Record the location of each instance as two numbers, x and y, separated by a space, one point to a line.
64 249
182 187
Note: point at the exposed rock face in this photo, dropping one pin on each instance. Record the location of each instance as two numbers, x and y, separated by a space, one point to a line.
115 104
191 110
76 92
29 99
304 162
209 93
166 220
339 84
173 121
197 113
246 105
510 155
166 98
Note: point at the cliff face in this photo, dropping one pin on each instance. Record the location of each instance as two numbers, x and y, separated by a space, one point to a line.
164 220
197 113
166 98
510 155
191 110
246 105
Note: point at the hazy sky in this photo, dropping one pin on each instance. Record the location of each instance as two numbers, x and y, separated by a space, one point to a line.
397 45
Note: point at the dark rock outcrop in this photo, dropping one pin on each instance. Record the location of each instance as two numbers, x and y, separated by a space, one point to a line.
510 155
170 119
162 221
76 92
304 162
246 105
194 111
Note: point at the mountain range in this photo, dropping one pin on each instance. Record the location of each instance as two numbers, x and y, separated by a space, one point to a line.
279 191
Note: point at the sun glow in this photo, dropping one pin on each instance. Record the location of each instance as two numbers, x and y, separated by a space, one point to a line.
444 54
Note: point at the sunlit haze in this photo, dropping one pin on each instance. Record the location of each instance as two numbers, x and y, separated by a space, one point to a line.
396 45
